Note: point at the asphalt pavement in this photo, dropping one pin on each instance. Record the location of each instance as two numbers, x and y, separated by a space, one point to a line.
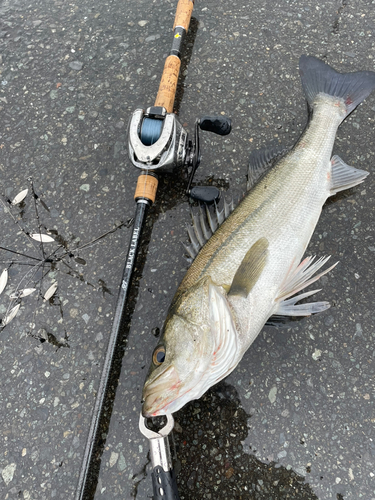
296 418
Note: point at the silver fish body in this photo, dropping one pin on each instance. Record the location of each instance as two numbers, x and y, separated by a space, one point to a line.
250 268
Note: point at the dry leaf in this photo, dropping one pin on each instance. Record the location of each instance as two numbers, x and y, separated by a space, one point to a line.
22 293
8 318
51 290
44 238
3 280
20 196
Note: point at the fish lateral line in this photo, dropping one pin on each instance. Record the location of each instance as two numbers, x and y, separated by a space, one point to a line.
218 324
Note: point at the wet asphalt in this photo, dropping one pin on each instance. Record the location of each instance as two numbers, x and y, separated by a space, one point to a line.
296 418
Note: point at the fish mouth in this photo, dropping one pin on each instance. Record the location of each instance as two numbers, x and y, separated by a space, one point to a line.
160 392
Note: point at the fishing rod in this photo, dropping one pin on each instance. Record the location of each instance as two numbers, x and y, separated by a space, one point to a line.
157 143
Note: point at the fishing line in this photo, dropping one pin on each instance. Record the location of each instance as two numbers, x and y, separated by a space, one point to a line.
150 131
157 142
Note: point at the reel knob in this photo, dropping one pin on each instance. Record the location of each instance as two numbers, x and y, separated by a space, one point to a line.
205 194
220 125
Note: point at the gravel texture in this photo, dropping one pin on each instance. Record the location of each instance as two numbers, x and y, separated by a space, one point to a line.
296 418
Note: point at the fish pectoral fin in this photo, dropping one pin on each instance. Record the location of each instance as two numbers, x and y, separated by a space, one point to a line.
296 280
344 176
290 307
223 328
250 269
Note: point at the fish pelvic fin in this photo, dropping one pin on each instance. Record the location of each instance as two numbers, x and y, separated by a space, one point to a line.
344 176
250 269
300 278
318 77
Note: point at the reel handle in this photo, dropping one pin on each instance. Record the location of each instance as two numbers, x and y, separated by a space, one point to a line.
220 125
168 83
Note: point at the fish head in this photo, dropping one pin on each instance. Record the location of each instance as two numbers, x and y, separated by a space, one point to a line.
195 351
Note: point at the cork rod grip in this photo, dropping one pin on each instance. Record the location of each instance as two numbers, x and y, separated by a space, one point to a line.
147 186
168 83
183 13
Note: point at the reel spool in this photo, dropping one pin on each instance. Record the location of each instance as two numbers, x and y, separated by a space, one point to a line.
156 140
150 131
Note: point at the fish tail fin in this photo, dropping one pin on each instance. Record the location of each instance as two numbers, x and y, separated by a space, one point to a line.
318 77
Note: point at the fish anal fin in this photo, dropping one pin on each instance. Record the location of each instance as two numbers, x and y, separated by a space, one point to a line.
290 307
344 176
250 269
301 277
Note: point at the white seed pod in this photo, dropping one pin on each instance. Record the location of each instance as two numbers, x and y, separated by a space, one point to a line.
22 293
8 318
51 290
20 196
43 238
3 280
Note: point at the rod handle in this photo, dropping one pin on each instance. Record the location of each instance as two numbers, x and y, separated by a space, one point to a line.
168 83
183 14
147 186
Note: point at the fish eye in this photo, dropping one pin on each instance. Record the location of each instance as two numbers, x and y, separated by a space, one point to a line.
159 355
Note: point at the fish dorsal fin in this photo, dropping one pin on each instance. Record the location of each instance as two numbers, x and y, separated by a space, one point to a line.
262 160
204 225
344 176
250 269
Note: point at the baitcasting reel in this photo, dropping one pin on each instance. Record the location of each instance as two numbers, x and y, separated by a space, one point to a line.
158 142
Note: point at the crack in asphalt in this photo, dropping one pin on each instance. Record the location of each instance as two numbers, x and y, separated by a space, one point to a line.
336 23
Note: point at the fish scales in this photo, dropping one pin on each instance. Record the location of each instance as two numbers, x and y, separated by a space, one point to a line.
294 185
250 268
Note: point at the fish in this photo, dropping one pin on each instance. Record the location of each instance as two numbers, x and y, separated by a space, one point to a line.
250 269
